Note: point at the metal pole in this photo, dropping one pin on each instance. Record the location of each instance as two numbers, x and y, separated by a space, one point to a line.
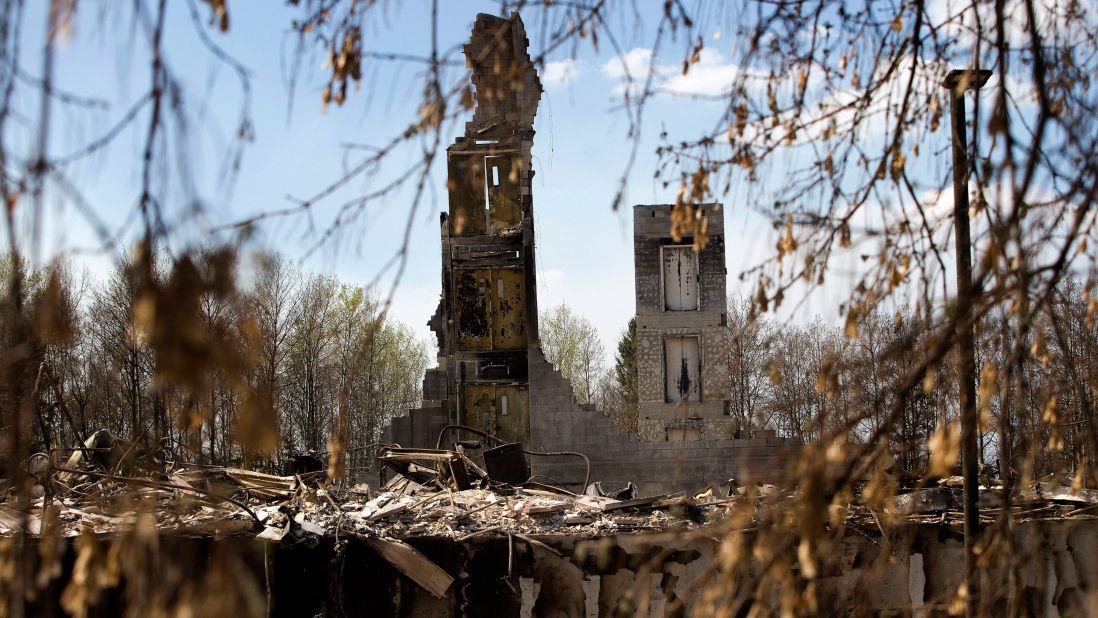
958 82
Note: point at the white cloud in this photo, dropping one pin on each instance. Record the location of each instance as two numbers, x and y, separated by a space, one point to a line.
550 278
955 19
561 72
633 63
713 75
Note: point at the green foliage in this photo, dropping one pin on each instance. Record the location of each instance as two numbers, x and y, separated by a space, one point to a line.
572 345
625 374
220 374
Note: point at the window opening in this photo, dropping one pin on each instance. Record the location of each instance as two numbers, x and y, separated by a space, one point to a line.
680 278
682 376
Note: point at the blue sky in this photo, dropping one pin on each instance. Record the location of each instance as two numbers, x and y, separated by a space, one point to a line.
584 248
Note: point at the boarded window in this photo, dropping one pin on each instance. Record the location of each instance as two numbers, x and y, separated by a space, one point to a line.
503 193
498 409
491 309
467 191
484 194
680 279
681 369
508 310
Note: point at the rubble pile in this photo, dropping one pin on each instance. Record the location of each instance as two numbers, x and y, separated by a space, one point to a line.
223 501
216 501
1044 499
436 493
454 500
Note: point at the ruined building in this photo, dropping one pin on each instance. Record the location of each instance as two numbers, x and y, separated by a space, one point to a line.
682 374
487 315
491 372
685 438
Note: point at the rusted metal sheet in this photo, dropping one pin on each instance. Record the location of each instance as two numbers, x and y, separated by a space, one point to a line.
506 463
680 278
681 369
508 318
501 175
466 184
500 410
480 407
491 309
513 408
448 463
473 295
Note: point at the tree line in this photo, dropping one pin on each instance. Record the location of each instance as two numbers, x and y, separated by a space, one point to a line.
807 381
287 364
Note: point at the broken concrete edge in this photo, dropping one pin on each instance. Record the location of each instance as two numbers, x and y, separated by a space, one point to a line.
586 531
413 564
917 571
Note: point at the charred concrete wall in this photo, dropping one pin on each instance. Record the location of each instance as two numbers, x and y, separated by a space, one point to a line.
680 295
419 429
491 374
488 312
680 445
915 572
558 423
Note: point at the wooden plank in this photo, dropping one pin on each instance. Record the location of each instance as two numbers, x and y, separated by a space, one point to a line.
467 194
635 503
414 455
501 174
13 520
393 508
509 310
680 278
682 355
414 565
261 477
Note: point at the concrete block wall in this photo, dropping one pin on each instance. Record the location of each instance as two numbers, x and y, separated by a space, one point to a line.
649 358
662 430
650 373
558 423
651 231
646 266
496 48
419 429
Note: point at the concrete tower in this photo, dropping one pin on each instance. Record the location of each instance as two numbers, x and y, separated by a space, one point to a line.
488 312
682 370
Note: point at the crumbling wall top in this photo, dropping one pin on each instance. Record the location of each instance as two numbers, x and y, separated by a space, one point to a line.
507 88
654 220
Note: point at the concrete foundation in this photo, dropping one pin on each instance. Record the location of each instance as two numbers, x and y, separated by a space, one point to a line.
558 423
916 572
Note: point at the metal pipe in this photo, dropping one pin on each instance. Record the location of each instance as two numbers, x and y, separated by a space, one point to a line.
958 82
442 433
586 460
